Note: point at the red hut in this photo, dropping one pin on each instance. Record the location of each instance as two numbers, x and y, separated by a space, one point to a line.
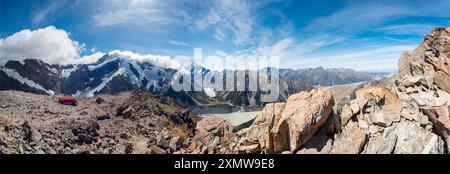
68 100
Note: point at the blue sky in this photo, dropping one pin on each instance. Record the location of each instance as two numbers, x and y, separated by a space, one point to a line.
364 35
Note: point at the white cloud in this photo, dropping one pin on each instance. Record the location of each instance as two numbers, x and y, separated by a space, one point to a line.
49 44
43 12
246 58
136 12
179 43
54 46
311 44
288 47
281 48
397 40
359 16
88 58
407 29
157 60
228 17
40 15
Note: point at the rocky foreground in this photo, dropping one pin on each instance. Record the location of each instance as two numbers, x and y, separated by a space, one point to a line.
408 113
130 122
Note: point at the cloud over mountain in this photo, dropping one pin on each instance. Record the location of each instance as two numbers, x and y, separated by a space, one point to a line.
161 61
55 46
50 44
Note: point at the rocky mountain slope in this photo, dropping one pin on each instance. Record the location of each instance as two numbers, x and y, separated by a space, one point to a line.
327 77
250 98
409 113
130 122
111 74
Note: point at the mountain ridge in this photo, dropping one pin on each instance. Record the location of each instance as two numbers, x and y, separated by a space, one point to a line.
114 73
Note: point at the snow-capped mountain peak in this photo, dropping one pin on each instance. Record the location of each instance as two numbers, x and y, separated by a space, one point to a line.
112 73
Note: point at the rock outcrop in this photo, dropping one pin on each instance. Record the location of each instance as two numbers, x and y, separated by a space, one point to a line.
211 133
287 126
302 116
405 114
408 113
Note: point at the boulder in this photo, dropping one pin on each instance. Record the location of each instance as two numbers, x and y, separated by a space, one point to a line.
174 143
350 141
302 116
162 142
86 134
410 81
346 114
382 144
354 106
215 125
125 111
430 98
282 127
103 117
212 126
35 135
261 134
378 117
413 139
410 110
320 143
442 80
125 136
138 147
261 128
383 105
99 100
250 148
156 150
192 147
440 117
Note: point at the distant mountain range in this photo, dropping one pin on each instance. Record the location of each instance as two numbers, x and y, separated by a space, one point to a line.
327 77
112 74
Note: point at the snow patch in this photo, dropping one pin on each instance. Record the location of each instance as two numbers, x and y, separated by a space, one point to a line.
94 67
135 79
13 74
210 92
65 73
55 71
251 99
105 81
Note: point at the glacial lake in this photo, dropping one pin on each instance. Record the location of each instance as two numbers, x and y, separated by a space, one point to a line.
235 118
